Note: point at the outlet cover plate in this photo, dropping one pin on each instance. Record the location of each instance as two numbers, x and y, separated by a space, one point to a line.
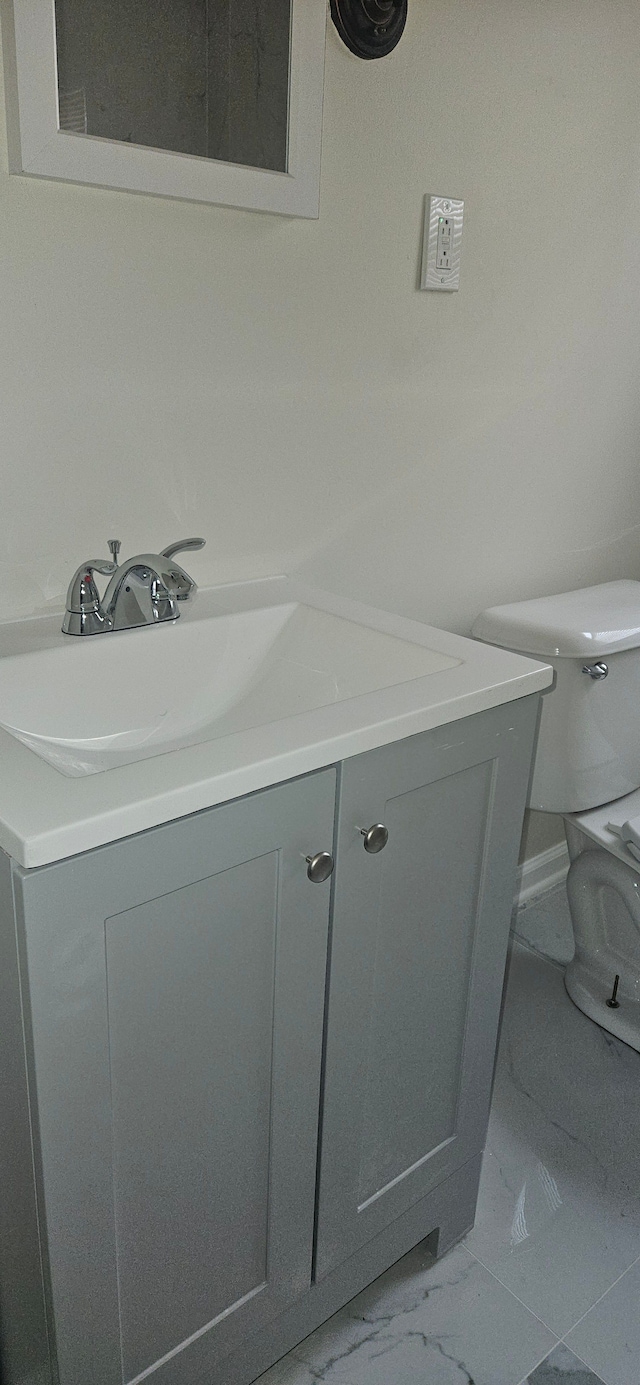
436 208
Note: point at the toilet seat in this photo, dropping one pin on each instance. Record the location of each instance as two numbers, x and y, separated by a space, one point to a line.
612 826
630 835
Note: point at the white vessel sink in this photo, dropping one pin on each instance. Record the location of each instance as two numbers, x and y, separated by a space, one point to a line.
257 682
92 703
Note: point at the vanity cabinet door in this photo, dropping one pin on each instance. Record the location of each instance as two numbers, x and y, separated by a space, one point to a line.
417 960
176 986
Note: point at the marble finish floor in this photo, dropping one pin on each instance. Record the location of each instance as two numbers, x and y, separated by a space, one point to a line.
544 924
546 1287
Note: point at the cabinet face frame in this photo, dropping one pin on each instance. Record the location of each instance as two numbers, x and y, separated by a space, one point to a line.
37 146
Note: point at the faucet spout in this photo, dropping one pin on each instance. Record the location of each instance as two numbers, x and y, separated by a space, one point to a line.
144 590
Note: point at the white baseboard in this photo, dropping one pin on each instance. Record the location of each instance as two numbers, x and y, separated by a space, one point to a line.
540 873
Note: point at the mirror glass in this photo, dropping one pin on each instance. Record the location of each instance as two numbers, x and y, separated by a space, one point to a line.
208 78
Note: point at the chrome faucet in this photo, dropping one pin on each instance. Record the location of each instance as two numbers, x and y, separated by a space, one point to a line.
144 590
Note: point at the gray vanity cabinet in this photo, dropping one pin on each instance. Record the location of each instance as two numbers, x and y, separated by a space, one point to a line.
176 987
417 962
184 992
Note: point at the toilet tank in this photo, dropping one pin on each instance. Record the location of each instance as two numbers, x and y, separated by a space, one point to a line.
589 740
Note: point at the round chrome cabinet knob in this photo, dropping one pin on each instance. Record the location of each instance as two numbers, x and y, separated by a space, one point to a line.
596 671
319 867
375 838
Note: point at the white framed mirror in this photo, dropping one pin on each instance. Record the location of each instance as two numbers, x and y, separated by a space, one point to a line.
209 100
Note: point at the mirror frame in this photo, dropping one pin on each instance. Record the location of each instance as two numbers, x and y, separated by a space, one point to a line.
38 147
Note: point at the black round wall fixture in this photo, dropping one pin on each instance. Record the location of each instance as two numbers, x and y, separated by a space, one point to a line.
370 28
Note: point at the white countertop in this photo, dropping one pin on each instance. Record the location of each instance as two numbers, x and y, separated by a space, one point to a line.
46 815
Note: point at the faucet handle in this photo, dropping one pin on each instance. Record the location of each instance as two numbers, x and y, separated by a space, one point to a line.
83 592
84 614
114 548
181 546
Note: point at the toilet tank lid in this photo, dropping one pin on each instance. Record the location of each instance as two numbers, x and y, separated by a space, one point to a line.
585 623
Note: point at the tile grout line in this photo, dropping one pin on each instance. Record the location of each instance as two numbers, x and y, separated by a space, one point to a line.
525 1378
596 1301
557 1339
598 1378
595 1305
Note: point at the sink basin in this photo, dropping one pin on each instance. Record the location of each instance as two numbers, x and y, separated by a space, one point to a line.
88 705
256 683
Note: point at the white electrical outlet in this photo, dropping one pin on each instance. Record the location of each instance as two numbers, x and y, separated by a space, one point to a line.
443 245
442 242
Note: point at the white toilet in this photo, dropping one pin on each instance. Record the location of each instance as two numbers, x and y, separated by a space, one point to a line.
587 768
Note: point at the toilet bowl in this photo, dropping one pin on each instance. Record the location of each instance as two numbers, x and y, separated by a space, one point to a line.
587 768
604 901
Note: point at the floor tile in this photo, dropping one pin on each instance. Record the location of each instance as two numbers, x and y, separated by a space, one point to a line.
562 1368
578 1077
545 925
608 1338
290 1371
558 1216
534 984
445 1325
